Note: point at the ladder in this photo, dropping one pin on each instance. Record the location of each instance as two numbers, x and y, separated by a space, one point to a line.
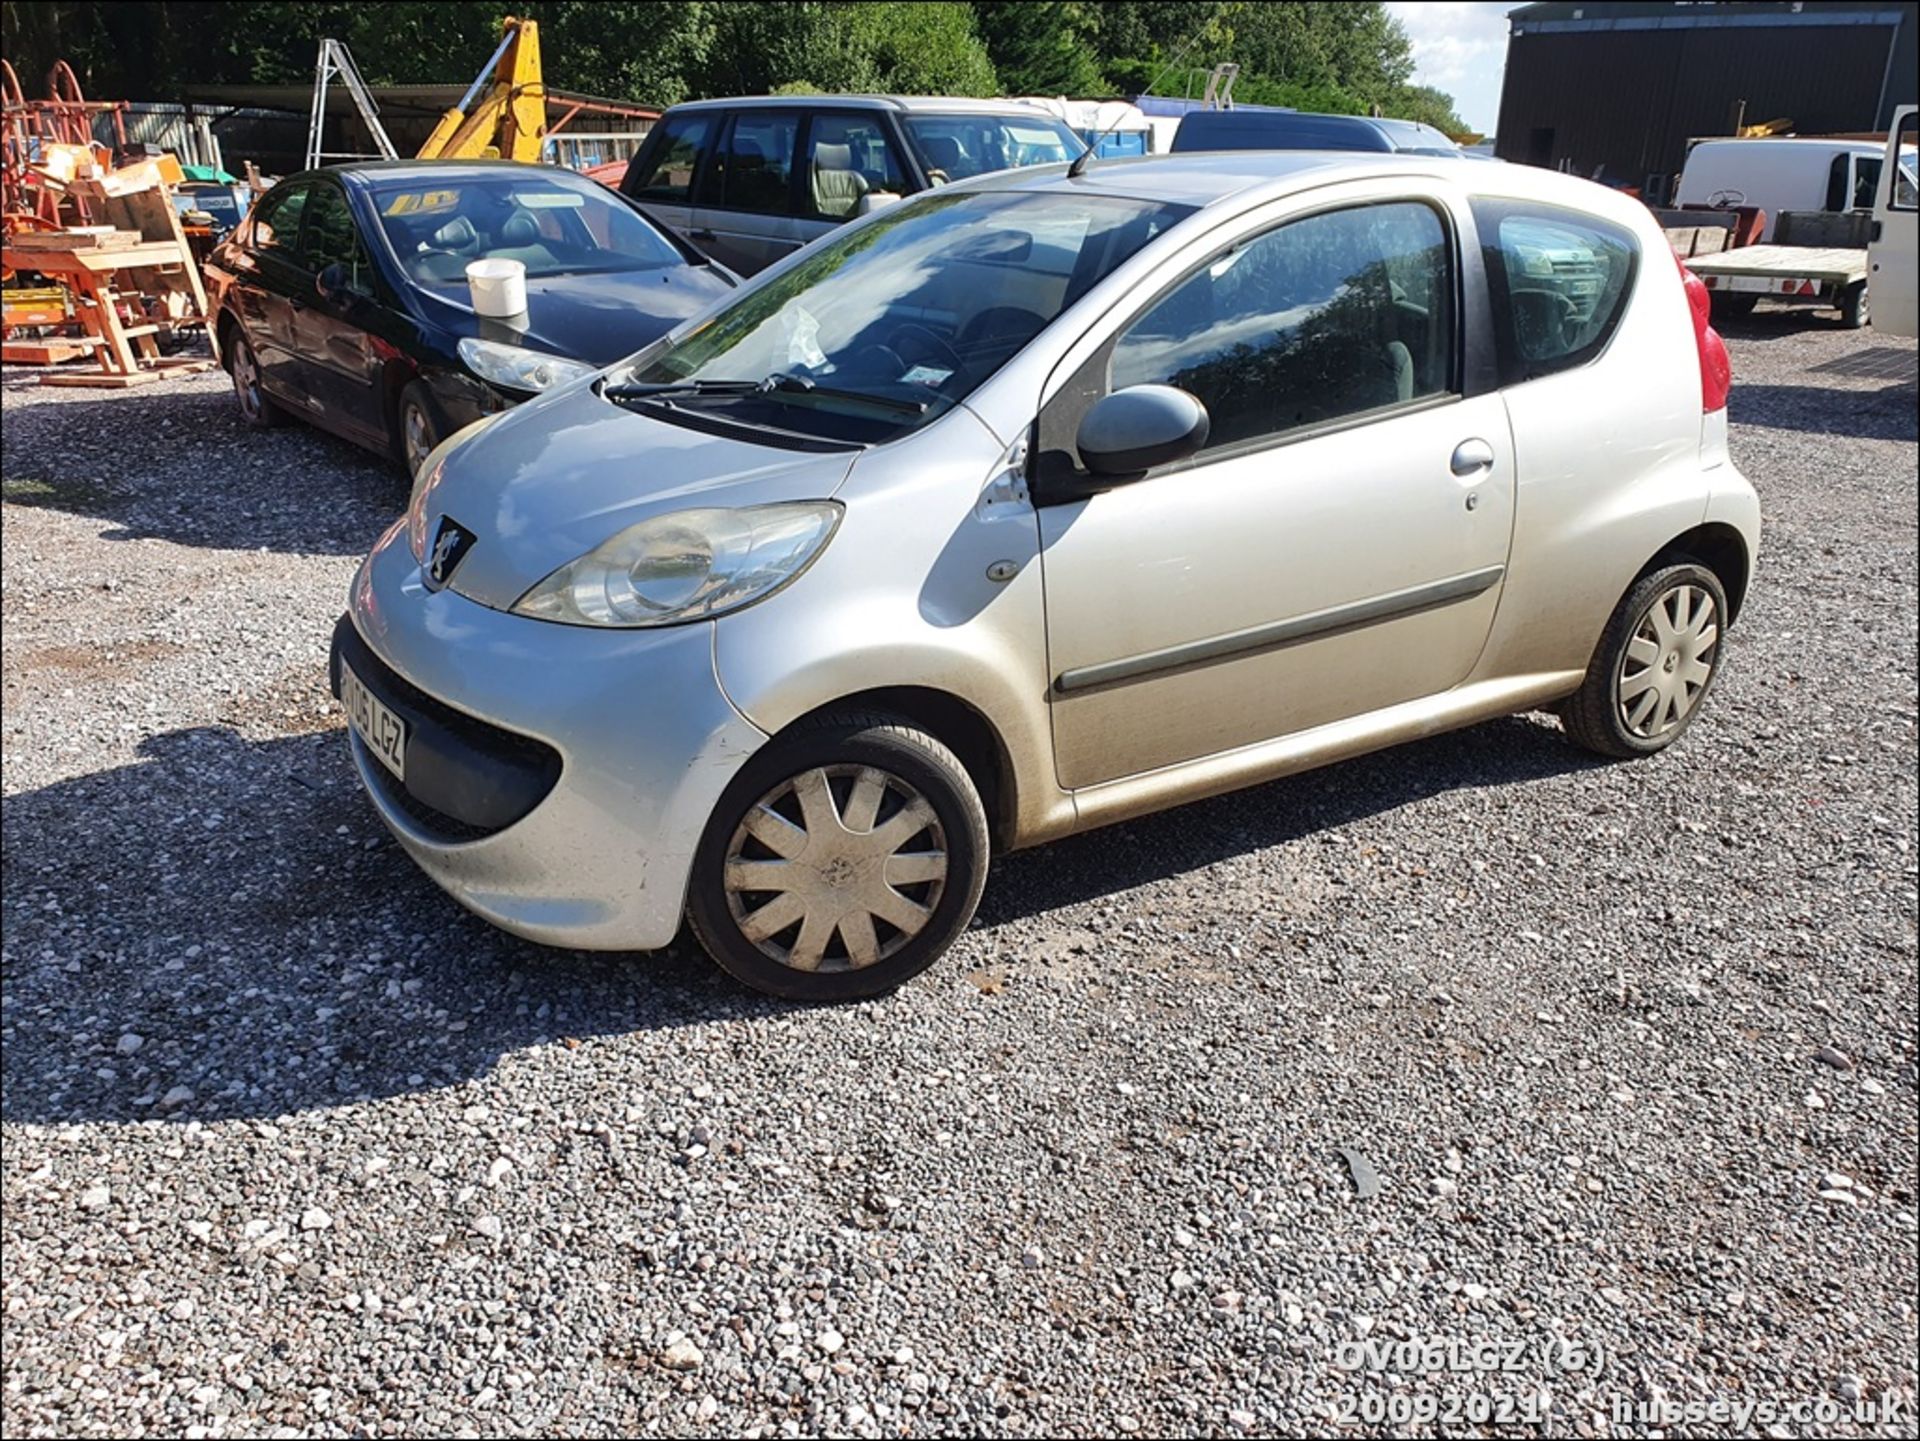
336 61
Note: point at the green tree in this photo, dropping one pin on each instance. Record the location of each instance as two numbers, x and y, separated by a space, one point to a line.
1042 47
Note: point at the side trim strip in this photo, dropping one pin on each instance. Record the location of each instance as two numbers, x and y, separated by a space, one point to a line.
1282 632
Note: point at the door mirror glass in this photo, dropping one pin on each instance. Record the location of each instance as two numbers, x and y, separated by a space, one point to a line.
335 285
1127 433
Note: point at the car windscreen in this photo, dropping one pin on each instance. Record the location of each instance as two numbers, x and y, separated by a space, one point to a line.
957 147
550 222
885 325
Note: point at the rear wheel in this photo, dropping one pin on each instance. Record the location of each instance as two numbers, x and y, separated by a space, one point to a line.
255 408
1855 313
843 861
1655 663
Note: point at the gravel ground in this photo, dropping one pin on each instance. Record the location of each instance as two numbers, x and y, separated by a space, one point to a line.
293 1145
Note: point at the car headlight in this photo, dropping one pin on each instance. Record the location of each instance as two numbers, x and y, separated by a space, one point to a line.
686 565
518 369
428 477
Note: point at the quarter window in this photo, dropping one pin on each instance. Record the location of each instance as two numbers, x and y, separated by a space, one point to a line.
1558 282
276 224
668 176
754 169
1326 317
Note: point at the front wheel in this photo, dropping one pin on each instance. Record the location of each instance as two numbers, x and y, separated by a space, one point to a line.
841 862
1655 663
414 432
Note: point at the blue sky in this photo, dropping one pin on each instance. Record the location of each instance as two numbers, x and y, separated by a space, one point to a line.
1462 49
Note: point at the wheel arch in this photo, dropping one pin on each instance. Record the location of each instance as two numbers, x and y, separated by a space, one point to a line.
1721 549
960 726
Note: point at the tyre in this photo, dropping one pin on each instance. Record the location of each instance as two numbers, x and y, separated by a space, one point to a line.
1855 313
1732 305
415 432
842 861
256 408
1655 663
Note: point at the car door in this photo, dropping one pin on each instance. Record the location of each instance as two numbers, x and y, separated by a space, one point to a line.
1894 255
1338 545
269 275
660 179
746 205
339 361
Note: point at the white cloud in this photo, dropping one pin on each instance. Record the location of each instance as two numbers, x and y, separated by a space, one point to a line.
1460 48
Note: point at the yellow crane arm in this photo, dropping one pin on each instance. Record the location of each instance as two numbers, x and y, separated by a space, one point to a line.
504 112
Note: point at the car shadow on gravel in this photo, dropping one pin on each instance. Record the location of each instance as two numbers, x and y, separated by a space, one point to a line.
1886 413
236 905
178 465
1514 751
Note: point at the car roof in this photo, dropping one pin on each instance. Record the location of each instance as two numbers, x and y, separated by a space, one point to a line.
1200 177
449 170
1728 142
908 104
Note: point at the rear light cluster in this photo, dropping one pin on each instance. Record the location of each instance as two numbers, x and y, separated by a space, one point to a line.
1716 370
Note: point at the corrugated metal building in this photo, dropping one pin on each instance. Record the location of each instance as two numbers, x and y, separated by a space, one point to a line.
1618 90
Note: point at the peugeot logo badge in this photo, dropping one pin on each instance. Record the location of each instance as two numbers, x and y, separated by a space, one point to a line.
450 546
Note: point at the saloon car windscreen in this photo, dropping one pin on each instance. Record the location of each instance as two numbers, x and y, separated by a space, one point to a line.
551 226
888 324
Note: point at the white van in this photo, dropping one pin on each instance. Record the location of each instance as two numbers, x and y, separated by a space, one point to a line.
1895 247
1779 174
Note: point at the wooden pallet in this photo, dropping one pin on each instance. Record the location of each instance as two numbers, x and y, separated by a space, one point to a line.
152 371
95 239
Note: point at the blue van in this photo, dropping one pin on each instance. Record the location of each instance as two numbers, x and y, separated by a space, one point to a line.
1303 130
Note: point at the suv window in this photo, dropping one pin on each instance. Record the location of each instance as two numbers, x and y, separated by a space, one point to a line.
1558 282
848 156
1325 317
276 223
668 176
754 168
328 236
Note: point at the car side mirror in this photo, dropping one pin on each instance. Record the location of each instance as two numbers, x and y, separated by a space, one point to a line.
335 286
875 200
1128 433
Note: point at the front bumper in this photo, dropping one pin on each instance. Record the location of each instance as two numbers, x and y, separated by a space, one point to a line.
564 774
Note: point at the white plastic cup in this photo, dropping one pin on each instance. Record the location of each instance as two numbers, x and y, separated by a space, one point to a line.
498 287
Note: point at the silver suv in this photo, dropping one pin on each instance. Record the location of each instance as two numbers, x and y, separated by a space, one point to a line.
1036 503
749 180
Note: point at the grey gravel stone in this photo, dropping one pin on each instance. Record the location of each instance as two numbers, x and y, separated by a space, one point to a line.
1353 957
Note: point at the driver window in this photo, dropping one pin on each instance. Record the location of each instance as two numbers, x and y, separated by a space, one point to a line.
1326 317
848 157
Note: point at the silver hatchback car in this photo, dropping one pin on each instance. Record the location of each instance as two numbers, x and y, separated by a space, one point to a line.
1034 503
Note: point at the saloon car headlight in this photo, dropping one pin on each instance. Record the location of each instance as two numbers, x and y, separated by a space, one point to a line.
686 565
518 369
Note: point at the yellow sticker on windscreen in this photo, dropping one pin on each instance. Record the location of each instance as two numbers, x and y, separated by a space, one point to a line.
421 202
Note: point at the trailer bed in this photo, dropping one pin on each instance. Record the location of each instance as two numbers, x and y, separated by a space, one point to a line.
1779 263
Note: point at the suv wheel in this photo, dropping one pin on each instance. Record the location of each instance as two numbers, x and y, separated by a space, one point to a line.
841 862
1655 663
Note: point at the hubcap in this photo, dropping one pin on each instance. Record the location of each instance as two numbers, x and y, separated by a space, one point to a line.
418 438
246 381
1669 661
836 869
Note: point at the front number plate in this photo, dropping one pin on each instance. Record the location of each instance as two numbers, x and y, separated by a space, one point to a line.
380 730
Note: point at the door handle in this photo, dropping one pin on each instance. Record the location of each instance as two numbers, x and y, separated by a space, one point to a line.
1470 457
701 234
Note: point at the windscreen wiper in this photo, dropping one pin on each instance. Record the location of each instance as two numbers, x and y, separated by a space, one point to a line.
644 390
786 383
